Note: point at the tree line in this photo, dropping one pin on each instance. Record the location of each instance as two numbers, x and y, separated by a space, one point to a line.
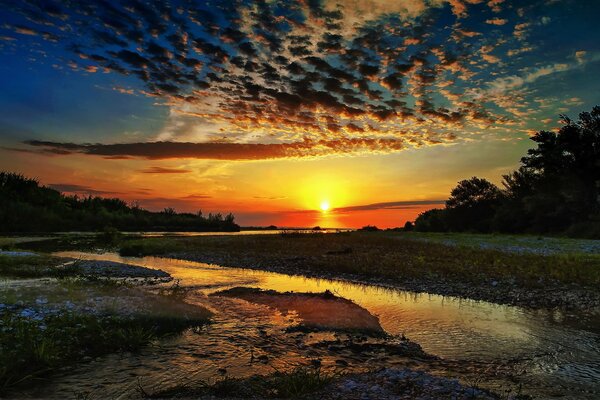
27 206
556 189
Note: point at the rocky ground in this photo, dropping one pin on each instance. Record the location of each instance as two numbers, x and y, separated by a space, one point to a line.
550 295
111 269
397 384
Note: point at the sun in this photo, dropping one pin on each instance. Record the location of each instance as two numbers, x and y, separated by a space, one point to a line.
324 205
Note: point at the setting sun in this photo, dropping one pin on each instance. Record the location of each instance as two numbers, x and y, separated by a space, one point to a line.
324 205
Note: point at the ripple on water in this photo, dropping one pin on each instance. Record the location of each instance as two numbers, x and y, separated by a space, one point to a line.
553 350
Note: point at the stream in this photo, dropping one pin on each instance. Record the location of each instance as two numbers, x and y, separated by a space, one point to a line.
549 353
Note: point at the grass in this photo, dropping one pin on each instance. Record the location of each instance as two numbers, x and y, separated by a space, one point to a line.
154 246
40 333
35 266
297 383
380 254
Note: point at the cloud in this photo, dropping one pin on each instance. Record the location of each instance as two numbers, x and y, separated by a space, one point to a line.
270 197
265 79
392 205
497 21
580 56
79 189
351 70
220 151
163 170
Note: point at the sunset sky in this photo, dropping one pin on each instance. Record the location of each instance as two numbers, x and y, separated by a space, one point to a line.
270 109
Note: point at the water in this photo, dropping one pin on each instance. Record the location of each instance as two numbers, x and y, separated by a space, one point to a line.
550 353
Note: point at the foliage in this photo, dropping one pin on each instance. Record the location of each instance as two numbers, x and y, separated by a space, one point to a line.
25 206
33 347
369 228
556 188
33 266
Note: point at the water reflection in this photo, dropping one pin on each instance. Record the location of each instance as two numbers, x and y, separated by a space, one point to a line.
558 352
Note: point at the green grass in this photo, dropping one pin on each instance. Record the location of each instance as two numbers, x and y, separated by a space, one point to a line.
380 254
7 243
35 266
297 383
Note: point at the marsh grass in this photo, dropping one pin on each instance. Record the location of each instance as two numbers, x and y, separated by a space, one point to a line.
35 266
43 328
381 254
151 246
297 383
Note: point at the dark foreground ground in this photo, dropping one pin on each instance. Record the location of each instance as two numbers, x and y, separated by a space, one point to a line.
55 312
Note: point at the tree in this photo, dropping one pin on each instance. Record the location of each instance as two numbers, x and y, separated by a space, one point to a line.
433 220
565 167
473 192
472 204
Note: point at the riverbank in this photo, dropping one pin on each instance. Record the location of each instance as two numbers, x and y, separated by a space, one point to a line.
67 311
565 281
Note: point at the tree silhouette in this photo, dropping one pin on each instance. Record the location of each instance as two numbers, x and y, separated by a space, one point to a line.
474 192
556 188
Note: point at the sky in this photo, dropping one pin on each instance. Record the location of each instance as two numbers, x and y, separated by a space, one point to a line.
338 113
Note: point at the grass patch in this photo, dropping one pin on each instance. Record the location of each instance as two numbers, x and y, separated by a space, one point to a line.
153 246
50 326
35 266
380 254
297 383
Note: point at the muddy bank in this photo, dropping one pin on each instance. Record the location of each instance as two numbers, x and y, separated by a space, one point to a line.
318 311
568 297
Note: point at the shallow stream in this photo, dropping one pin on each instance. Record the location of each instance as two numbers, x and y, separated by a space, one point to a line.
550 354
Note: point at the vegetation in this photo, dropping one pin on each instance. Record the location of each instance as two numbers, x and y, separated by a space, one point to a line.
297 383
379 254
34 266
556 189
25 206
43 328
31 349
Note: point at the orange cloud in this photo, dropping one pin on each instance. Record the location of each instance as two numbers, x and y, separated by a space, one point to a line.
496 21
220 150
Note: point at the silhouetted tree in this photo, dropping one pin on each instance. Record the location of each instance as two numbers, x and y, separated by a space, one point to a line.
557 188
25 206
472 205
434 220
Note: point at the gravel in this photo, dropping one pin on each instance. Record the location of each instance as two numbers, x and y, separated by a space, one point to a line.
111 269
391 383
17 253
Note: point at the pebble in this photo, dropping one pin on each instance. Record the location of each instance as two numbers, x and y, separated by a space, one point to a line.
391 383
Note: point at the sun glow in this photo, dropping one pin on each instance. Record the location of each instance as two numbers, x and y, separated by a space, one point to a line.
324 206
